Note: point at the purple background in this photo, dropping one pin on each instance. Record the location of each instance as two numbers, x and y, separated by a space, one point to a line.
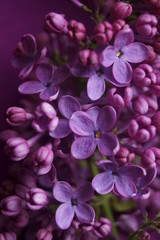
19 17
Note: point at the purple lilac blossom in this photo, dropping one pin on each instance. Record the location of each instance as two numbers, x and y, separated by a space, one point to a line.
93 128
123 51
120 180
48 80
74 202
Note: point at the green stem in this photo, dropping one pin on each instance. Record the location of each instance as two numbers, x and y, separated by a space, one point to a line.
150 224
108 213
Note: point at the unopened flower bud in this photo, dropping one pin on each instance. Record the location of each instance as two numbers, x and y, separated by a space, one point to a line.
143 75
118 25
42 234
17 148
8 236
55 23
119 99
36 198
88 57
121 10
21 220
16 116
11 206
103 32
42 160
102 227
76 30
146 25
140 105
156 121
124 156
45 118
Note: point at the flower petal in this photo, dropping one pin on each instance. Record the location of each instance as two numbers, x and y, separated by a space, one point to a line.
122 71
29 44
49 94
135 52
108 144
132 171
61 74
26 70
31 87
44 73
83 147
84 192
64 215
84 213
62 191
95 87
108 56
62 130
106 119
125 186
103 182
81 124
93 113
123 38
67 105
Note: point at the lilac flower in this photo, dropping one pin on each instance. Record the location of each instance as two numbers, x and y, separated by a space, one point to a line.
96 82
74 202
123 51
43 233
93 127
11 206
48 80
26 55
8 236
36 198
120 180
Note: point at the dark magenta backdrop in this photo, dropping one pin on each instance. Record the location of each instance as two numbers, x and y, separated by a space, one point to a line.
19 17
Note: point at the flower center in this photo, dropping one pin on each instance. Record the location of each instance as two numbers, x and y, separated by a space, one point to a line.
118 54
97 134
98 73
74 202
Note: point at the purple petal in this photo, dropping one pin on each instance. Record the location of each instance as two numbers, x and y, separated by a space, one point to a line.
44 73
83 147
148 179
106 119
81 124
108 144
64 215
30 87
84 192
78 70
107 165
62 130
84 213
29 44
62 191
93 113
108 56
132 171
67 105
95 87
123 38
26 70
135 52
103 182
49 94
125 186
61 74
122 71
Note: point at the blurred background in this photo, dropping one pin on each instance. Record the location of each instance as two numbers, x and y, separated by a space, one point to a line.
19 17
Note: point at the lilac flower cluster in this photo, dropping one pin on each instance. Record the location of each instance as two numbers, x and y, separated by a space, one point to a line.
84 141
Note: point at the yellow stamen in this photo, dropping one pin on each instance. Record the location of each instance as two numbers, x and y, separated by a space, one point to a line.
98 73
97 134
118 54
